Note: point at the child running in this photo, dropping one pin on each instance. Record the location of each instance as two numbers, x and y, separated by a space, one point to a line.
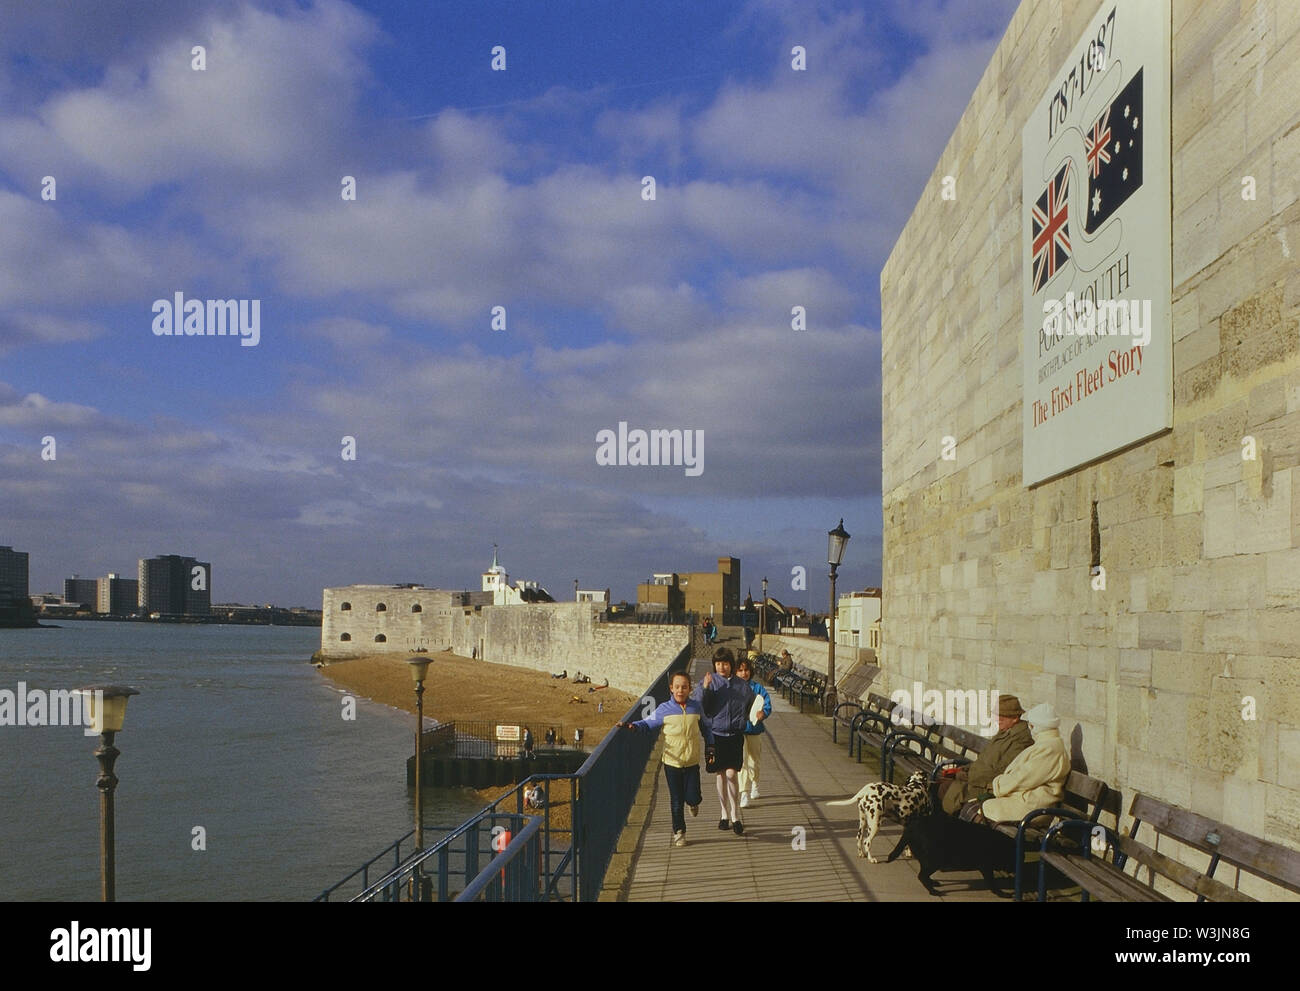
725 701
680 719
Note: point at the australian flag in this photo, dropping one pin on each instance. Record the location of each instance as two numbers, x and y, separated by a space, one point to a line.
1114 147
1050 228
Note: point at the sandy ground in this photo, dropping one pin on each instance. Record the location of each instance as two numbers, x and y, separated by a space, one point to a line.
460 688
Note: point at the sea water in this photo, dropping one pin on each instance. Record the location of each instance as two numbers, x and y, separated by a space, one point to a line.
239 778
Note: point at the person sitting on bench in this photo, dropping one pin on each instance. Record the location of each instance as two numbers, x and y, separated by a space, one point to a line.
1035 779
976 778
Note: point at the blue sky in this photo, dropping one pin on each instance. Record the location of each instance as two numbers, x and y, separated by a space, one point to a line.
475 188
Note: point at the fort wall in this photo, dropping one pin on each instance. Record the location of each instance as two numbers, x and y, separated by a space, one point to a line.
1181 678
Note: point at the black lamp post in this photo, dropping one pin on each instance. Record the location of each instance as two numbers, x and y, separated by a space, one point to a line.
839 538
762 618
419 667
105 707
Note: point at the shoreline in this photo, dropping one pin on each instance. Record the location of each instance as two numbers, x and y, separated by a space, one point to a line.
460 688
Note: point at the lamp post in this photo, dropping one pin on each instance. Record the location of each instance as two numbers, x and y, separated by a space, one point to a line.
575 590
762 618
105 707
419 667
839 538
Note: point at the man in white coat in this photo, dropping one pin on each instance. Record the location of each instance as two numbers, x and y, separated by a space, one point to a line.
1036 778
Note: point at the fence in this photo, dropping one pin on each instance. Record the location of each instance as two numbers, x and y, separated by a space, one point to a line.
511 843
570 858
483 738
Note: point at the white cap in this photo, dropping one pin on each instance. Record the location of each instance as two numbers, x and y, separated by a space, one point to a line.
1042 716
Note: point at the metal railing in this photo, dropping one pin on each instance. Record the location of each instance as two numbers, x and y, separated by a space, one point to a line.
477 738
509 843
570 860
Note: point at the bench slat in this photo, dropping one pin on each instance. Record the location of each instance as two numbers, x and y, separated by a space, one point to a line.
1193 880
1101 880
1257 856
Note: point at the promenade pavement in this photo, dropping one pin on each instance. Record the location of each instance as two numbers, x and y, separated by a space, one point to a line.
795 847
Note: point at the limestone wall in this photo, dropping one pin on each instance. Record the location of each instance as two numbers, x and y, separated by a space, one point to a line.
551 637
813 654
986 583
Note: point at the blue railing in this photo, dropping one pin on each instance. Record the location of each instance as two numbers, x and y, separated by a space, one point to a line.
571 860
514 870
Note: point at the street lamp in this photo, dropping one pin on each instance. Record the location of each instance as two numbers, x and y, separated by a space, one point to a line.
762 618
575 590
419 667
105 708
839 538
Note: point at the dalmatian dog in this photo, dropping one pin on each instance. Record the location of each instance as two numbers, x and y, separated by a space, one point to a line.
907 801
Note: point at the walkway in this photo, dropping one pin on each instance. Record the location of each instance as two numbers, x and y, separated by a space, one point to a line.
801 770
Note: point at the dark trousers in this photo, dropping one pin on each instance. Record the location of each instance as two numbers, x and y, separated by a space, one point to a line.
683 790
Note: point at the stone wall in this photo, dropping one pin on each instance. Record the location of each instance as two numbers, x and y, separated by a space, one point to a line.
551 637
813 654
986 583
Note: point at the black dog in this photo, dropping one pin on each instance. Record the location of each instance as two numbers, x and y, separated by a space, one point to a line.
940 842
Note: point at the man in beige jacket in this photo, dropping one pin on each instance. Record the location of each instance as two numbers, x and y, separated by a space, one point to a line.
1036 778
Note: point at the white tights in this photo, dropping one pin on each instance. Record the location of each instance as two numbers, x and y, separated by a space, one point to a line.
729 795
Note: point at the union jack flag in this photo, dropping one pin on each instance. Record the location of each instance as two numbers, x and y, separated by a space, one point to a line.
1096 144
1051 228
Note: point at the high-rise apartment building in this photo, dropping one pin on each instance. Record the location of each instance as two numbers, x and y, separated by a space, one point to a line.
82 590
117 596
13 576
172 585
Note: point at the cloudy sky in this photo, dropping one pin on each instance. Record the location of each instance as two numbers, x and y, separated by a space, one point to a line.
475 188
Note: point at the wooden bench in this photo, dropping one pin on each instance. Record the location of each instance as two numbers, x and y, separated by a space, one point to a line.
1107 880
933 747
1086 799
870 724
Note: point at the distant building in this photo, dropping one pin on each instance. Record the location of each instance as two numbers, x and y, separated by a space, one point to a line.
497 582
857 619
116 596
172 585
13 577
660 594
708 593
84 591
597 596
15 606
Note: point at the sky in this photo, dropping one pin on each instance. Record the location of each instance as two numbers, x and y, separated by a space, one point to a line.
525 187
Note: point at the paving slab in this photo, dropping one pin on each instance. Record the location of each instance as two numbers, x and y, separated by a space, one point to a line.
795 847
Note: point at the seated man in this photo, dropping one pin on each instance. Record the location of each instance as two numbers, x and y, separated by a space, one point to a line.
977 778
1035 779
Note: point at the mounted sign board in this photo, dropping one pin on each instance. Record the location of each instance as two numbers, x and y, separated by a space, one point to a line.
1097 246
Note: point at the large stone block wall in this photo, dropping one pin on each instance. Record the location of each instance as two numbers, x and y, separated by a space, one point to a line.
986 583
402 628
552 637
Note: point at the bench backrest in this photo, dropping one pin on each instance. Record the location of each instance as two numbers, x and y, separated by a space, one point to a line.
1091 796
963 739
879 703
1270 861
